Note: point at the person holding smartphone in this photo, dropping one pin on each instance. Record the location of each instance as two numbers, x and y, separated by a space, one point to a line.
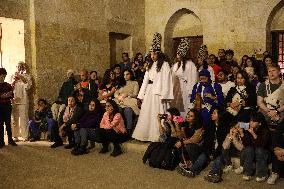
256 141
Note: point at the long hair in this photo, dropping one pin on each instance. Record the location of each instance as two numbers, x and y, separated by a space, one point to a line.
114 105
160 61
197 117
246 77
98 107
106 78
123 82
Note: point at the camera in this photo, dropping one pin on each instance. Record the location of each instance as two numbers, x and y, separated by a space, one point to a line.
163 116
244 125
179 119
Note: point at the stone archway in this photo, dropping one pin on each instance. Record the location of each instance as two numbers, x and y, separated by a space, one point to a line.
186 31
271 17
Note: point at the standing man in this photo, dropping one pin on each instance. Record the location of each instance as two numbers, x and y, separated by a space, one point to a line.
6 95
21 81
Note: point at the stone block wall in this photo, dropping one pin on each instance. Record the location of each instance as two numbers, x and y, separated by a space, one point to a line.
239 25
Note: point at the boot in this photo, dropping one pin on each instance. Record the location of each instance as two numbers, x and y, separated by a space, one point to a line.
104 149
79 151
116 150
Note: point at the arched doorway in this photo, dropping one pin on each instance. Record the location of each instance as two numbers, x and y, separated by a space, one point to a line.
275 34
183 23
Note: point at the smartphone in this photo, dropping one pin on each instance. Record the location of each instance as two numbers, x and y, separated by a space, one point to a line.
244 125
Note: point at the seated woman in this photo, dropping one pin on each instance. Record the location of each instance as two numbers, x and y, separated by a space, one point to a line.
112 129
256 143
232 145
42 122
222 79
125 97
86 127
191 144
70 115
108 87
241 99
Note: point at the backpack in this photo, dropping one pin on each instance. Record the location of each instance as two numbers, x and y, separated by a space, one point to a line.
161 155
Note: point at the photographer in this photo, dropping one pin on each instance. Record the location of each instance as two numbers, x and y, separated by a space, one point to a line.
232 146
256 143
169 125
163 154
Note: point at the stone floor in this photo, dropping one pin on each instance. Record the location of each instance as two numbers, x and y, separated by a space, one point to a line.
36 166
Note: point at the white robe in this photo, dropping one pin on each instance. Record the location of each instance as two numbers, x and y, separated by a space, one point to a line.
183 80
147 128
21 107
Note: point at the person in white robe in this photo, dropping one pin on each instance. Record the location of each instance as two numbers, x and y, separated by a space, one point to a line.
202 62
21 81
156 92
184 78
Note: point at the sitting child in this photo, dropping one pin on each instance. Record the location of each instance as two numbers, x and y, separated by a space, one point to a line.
42 122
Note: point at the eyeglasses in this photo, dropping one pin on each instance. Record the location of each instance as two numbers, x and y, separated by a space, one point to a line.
108 105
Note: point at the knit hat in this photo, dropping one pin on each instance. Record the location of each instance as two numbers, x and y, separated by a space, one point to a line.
156 44
203 52
183 47
204 72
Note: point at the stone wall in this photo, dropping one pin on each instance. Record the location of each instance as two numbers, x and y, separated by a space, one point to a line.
73 34
239 25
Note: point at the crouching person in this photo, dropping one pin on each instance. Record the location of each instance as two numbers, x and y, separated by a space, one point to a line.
86 127
256 143
70 115
42 122
232 146
112 129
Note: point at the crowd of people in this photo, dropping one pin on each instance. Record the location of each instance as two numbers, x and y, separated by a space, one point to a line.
204 111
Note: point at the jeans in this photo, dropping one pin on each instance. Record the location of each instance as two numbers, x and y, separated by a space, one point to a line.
260 155
200 163
128 114
277 166
83 135
223 159
5 117
35 131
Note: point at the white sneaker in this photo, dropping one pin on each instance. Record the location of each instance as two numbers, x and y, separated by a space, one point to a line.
239 170
228 168
272 178
246 178
260 179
